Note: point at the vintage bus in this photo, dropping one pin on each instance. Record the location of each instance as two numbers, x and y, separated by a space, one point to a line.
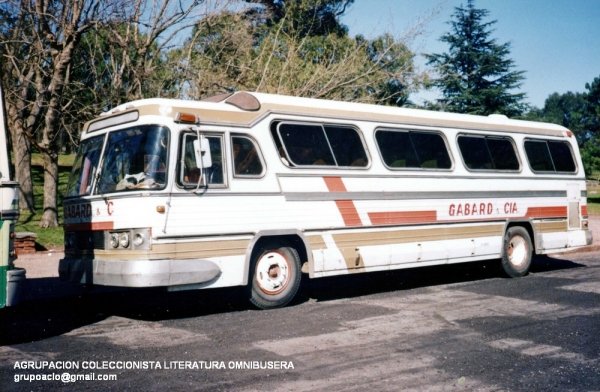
254 190
10 277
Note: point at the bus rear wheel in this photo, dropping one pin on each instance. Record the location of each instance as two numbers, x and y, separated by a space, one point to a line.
276 277
516 252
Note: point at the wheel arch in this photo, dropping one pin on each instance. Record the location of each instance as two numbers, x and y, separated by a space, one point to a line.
292 238
527 225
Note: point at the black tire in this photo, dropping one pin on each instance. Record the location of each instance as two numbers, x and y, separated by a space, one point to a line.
517 251
276 276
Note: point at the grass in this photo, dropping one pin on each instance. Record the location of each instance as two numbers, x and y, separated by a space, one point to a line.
50 238
593 189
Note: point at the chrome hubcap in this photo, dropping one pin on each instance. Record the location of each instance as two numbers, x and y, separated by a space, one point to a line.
272 272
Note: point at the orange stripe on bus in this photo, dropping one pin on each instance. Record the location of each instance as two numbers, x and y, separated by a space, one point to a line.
89 226
402 217
346 207
349 212
547 212
335 184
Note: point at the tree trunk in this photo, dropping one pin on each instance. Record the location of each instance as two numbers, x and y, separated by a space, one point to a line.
50 215
22 159
49 152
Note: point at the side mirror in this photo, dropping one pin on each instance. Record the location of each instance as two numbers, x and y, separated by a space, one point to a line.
202 153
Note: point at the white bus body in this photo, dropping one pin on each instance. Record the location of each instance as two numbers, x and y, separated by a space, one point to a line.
278 184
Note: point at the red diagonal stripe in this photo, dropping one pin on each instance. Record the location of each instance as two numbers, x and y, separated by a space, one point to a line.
346 207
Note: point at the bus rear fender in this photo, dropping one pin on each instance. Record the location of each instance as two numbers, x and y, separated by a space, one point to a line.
527 225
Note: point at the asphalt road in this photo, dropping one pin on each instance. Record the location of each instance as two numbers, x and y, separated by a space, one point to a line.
460 327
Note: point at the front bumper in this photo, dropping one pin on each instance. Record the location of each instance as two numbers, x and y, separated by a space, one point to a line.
137 273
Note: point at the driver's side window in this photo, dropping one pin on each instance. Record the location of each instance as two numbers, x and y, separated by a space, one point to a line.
190 172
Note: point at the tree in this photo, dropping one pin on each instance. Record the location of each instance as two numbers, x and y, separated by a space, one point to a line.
50 87
231 51
37 49
127 58
568 110
590 152
592 98
303 17
580 113
476 75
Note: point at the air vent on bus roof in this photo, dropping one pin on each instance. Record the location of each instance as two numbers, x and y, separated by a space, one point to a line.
217 98
244 101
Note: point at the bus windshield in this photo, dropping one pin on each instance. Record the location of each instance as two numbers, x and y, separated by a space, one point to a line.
134 158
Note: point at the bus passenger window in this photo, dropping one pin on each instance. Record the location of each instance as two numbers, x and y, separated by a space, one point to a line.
347 146
550 156
539 156
306 145
503 153
475 153
562 156
246 158
488 153
431 150
401 149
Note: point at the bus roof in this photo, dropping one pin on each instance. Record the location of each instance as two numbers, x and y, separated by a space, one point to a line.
247 108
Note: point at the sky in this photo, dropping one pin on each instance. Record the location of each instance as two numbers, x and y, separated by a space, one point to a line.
556 42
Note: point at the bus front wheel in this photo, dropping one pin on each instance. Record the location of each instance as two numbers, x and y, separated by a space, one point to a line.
516 252
276 277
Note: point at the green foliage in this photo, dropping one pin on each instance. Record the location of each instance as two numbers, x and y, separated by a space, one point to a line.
301 17
593 199
567 110
579 112
593 106
476 75
590 155
230 51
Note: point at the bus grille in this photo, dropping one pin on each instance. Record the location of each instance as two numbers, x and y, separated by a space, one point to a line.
89 240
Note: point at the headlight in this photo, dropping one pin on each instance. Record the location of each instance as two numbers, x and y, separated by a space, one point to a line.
124 240
138 239
114 240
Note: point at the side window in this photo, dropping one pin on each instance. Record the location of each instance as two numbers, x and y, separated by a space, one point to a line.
396 149
538 156
431 150
303 144
562 156
189 172
412 149
306 145
503 153
550 156
347 146
488 153
246 157
475 153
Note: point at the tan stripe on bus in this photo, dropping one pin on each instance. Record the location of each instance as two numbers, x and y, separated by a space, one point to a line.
181 250
551 227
